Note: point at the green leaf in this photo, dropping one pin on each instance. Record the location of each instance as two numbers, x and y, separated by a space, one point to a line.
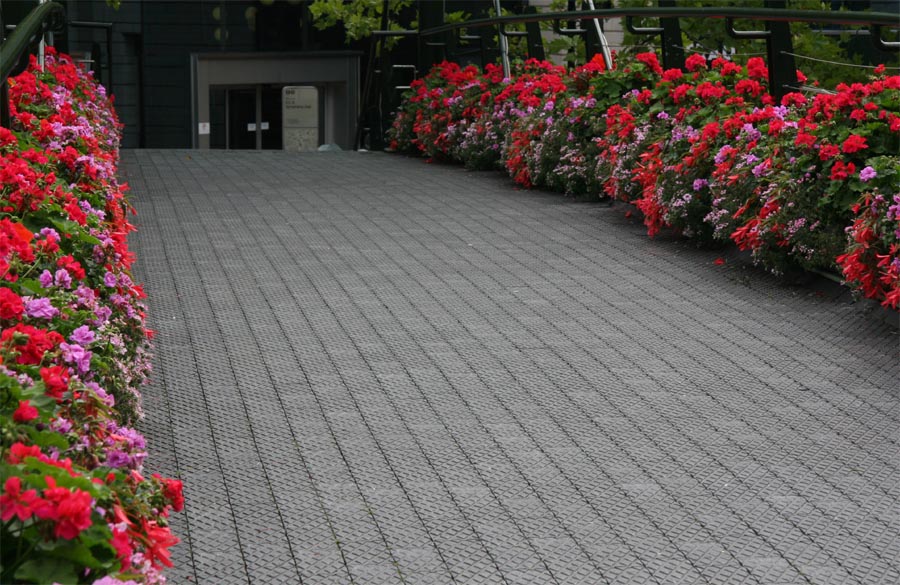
71 550
46 439
66 226
47 570
31 285
89 239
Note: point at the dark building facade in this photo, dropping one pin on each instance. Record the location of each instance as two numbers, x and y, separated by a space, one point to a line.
216 73
154 46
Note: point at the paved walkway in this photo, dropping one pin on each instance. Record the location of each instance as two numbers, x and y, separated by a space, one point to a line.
374 370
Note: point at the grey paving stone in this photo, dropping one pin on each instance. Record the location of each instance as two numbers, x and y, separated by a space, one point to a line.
374 370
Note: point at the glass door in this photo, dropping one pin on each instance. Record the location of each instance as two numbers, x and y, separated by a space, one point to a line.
270 119
242 123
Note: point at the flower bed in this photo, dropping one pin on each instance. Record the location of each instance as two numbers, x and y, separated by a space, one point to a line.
75 507
807 183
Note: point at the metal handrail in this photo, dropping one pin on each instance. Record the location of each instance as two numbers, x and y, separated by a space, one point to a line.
771 15
44 17
776 16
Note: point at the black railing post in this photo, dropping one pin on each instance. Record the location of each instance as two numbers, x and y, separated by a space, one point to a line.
431 50
779 49
591 42
672 49
533 38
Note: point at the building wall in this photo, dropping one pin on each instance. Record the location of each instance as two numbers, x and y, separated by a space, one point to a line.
126 55
160 34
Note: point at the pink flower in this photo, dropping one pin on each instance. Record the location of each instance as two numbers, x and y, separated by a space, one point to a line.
41 308
77 355
82 336
867 174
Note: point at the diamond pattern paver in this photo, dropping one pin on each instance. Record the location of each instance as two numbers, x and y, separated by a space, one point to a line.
374 370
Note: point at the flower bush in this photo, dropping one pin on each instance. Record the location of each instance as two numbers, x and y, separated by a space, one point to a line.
808 183
75 507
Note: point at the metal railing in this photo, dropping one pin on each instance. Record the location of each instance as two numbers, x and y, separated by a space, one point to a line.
586 23
107 27
44 18
27 37
777 34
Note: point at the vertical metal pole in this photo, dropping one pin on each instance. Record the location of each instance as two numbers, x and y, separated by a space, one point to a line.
258 117
504 46
604 44
673 52
535 42
4 84
109 60
782 69
227 119
41 45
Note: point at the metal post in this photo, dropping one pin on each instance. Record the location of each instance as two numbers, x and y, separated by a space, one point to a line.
109 61
604 44
41 46
672 51
535 41
259 117
779 46
504 44
4 86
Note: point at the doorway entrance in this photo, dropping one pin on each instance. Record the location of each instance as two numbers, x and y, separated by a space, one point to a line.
250 118
237 97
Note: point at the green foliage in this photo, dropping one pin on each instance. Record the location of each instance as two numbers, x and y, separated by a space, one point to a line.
358 17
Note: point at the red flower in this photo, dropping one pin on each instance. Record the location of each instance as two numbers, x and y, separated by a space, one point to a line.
172 490
651 61
11 306
16 503
840 171
75 213
73 267
756 68
157 540
7 137
672 75
719 261
805 139
858 115
695 62
122 544
56 380
854 143
19 451
25 412
30 342
15 238
72 510
827 151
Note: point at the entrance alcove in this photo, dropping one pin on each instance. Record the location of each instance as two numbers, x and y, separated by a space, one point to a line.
244 91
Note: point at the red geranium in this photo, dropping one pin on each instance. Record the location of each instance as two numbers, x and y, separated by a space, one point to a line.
56 380
71 512
31 343
854 143
11 306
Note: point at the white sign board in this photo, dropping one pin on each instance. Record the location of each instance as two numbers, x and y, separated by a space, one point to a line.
300 117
